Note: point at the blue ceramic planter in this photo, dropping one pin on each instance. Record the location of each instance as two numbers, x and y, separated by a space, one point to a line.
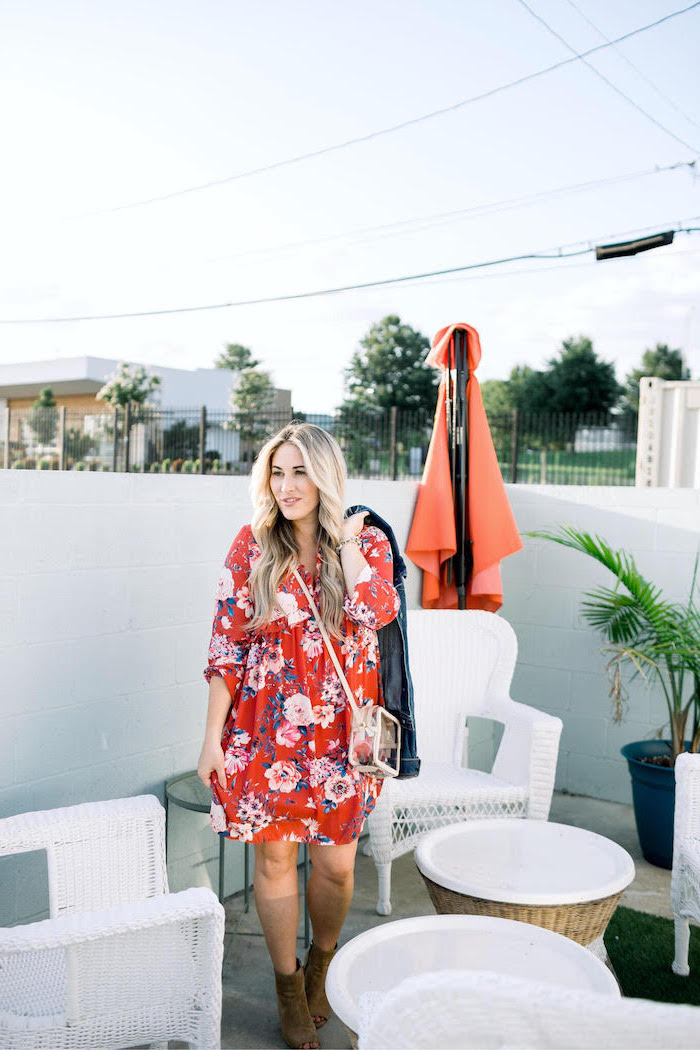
654 797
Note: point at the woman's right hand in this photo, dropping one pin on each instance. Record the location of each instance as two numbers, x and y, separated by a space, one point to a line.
211 760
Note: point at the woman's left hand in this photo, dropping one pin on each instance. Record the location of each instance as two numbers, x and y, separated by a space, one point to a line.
353 525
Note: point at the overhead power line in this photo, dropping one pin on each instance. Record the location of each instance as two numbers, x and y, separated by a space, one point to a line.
640 72
424 222
606 80
545 253
577 56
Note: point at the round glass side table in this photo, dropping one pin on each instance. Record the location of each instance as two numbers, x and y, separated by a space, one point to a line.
188 792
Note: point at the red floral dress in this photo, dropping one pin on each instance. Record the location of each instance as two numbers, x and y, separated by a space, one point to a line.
285 739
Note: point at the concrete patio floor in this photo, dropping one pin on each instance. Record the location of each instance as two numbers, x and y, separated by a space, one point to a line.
249 1004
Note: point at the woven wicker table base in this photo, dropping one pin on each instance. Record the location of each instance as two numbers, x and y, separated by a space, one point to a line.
580 922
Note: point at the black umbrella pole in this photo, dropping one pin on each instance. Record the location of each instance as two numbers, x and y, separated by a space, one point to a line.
450 423
460 465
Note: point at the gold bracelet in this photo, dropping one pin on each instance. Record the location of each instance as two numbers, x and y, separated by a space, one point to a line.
348 539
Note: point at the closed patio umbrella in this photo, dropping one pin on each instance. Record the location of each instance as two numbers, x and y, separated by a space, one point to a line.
462 524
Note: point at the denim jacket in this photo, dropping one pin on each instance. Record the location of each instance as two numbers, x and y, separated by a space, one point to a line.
397 686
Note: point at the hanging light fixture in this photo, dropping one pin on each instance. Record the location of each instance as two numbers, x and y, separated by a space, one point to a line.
641 244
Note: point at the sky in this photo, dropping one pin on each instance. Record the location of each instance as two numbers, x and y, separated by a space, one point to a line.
115 115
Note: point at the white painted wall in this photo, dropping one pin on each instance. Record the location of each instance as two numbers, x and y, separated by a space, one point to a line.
106 597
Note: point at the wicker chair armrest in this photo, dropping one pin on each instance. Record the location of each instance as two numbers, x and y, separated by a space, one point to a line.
685 875
99 854
46 934
41 828
507 710
687 811
528 751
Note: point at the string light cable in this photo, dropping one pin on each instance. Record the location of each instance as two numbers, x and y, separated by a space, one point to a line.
370 136
561 252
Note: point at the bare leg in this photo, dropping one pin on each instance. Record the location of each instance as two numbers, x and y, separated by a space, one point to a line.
276 901
330 889
277 904
329 893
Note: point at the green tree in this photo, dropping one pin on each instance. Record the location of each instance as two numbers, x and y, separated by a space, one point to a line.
388 368
125 386
236 358
43 417
497 397
576 380
251 403
580 381
254 392
661 362
528 389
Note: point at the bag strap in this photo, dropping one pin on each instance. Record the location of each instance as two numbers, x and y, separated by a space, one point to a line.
324 634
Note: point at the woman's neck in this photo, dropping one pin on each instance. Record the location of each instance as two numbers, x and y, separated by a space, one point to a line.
305 534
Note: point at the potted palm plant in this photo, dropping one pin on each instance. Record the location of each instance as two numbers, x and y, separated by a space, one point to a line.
659 640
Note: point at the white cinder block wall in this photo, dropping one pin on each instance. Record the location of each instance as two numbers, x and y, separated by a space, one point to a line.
106 597
560 665
107 586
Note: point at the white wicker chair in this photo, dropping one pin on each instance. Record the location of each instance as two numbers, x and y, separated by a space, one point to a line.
685 876
462 664
120 961
463 1009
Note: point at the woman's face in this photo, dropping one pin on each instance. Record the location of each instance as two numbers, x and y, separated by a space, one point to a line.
294 491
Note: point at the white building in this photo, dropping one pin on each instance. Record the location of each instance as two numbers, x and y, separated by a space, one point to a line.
76 381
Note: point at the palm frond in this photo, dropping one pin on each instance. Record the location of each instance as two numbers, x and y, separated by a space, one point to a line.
645 601
646 630
614 613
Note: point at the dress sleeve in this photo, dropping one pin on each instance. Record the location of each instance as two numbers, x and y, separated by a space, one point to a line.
233 608
374 601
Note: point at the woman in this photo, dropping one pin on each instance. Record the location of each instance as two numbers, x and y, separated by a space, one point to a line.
276 738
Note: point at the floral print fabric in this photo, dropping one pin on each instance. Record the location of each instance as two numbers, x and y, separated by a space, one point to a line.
285 739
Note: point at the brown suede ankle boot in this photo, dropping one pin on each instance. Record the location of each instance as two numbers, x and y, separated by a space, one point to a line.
296 1024
317 963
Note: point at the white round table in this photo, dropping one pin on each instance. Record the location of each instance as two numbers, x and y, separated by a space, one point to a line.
379 959
554 875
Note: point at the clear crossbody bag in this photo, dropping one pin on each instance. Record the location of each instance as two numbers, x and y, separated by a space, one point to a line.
375 735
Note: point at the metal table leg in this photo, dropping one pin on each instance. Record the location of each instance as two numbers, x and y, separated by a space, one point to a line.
222 839
165 792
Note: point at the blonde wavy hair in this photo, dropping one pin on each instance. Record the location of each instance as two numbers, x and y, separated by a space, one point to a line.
274 534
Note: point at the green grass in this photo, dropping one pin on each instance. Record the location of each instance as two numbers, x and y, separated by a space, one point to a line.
640 947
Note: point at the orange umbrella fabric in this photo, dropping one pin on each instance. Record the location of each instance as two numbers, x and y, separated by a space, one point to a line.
491 526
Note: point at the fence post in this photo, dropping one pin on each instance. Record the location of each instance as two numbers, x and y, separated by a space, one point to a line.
127 435
115 450
62 438
543 466
202 438
6 454
514 448
393 413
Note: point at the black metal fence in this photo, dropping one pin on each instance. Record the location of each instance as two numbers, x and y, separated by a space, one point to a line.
571 449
